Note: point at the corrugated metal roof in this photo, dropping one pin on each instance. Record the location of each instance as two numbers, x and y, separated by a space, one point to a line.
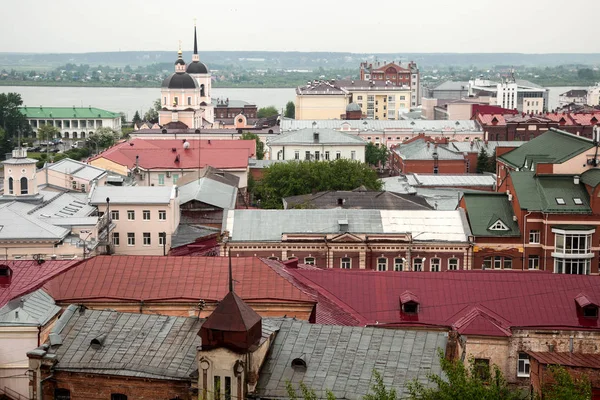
485 209
476 145
567 359
325 137
15 225
210 192
342 359
131 194
36 308
77 169
270 225
67 112
381 125
420 149
451 180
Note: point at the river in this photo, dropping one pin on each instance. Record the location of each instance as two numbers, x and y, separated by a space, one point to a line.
130 100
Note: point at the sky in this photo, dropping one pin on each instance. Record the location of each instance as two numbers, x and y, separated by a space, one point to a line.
422 26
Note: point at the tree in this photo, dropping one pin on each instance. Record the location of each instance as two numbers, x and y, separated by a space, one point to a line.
290 110
565 387
5 143
260 146
267 112
482 161
12 120
136 118
152 113
48 132
105 137
376 155
463 382
302 177
378 391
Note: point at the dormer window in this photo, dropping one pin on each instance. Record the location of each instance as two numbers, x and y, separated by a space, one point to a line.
5 270
560 201
589 308
590 312
498 226
410 308
409 303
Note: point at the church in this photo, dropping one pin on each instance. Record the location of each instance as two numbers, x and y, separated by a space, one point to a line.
186 94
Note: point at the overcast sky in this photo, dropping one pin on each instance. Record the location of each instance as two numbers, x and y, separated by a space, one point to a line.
423 26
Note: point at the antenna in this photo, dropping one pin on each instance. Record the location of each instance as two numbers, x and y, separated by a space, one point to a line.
230 274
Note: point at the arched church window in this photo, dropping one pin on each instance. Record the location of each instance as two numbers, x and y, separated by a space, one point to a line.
10 185
24 182
202 90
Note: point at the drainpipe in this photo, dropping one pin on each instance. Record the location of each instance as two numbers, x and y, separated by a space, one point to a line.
525 236
545 240
39 336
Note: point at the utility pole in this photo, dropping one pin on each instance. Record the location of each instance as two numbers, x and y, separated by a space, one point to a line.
164 236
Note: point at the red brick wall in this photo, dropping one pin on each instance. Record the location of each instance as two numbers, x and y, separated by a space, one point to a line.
426 166
100 387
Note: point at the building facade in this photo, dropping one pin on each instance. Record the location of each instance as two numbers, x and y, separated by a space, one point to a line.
396 74
513 94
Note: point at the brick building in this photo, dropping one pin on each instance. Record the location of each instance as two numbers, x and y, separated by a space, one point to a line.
426 156
396 74
383 240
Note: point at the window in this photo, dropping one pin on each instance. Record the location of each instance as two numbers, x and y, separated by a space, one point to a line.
175 178
402 97
117 396
175 101
497 262
398 264
417 264
534 236
161 238
131 215
162 215
453 264
24 185
161 179
10 185
533 262
309 260
130 239
590 312
327 155
573 243
307 155
507 263
498 226
572 266
317 156
296 155
382 264
146 238
487 263
434 265
62 394
116 239
146 215
359 97
410 307
353 155
346 263
482 368
523 365
217 388
189 101
338 155
227 388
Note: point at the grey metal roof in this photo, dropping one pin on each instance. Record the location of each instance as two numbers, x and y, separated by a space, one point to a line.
450 126
210 192
77 169
326 137
477 145
33 309
358 199
270 225
451 180
342 359
453 85
64 205
423 150
260 164
186 234
16 225
441 199
131 194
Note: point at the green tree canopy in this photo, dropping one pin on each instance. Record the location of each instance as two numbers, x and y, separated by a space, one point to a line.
260 146
565 387
48 132
485 163
474 381
290 110
266 112
152 114
376 155
302 177
104 137
136 118
12 120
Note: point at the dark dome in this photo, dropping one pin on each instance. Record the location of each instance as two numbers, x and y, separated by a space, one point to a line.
180 61
197 67
179 80
353 107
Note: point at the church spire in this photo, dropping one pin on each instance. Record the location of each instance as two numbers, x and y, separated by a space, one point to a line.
195 56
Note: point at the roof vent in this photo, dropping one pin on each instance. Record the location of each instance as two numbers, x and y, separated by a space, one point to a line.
98 342
173 149
343 224
299 363
177 158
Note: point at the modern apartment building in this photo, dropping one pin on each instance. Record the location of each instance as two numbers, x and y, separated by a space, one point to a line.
513 94
396 74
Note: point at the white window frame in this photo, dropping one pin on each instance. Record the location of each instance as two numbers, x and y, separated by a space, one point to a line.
114 215
435 265
530 260
116 240
130 238
534 236
382 266
417 261
346 263
450 264
162 215
398 264
130 215
523 365
146 213
310 260
147 239
161 239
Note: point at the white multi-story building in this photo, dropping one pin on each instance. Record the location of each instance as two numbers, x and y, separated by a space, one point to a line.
72 122
513 94
593 95
317 145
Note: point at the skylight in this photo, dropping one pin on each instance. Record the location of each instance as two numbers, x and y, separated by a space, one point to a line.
560 201
577 201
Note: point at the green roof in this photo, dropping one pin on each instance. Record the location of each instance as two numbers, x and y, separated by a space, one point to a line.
543 193
67 112
552 147
485 209
591 177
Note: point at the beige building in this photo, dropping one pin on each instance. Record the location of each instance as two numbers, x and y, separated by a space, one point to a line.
328 100
144 218
72 175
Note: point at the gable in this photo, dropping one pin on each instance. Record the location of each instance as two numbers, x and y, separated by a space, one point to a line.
346 238
498 225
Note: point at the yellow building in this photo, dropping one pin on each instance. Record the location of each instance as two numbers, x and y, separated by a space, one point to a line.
328 100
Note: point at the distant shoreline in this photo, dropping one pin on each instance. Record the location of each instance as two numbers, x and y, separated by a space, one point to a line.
89 84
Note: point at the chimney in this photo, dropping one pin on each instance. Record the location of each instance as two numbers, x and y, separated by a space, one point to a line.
576 180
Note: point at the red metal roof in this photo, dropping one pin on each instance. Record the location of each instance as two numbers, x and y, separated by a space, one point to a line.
28 275
156 278
159 154
478 302
584 300
491 109
488 119
567 359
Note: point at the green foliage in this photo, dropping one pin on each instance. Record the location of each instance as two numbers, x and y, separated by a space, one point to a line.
290 110
5 143
302 177
12 119
565 387
485 163
152 114
260 146
306 392
463 382
125 132
48 132
376 155
379 390
266 112
104 137
136 117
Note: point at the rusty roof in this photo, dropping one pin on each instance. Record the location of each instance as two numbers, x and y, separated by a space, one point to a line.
567 359
232 315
